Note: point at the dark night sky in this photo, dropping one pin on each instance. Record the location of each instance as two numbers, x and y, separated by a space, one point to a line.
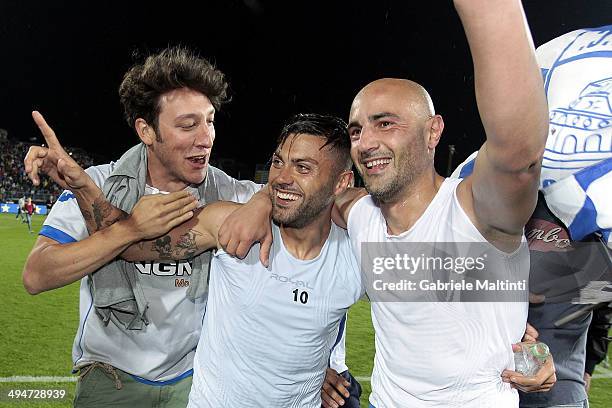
67 59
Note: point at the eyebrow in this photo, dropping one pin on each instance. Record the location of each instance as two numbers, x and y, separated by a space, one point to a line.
194 115
305 159
297 160
374 117
187 116
381 115
353 124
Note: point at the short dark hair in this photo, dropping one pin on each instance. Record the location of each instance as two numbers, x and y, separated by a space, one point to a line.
331 128
172 68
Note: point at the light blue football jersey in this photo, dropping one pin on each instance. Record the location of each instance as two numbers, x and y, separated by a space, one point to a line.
268 332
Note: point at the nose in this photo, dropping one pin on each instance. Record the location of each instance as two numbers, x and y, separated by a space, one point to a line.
281 175
367 140
205 137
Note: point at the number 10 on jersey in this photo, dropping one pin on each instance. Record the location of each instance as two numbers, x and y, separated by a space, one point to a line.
301 296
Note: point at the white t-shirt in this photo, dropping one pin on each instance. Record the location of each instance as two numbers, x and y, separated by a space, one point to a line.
268 332
439 354
163 351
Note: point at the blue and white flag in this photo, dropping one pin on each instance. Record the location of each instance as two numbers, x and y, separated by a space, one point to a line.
577 70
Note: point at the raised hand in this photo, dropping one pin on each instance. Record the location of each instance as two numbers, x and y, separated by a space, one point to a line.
53 160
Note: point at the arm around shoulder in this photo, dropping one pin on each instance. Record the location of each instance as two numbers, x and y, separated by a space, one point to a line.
186 240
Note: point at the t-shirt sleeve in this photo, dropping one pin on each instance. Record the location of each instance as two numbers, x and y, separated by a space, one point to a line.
357 215
355 276
351 266
65 222
358 221
239 191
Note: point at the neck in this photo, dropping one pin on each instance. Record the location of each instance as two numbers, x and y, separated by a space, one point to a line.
402 212
306 242
159 177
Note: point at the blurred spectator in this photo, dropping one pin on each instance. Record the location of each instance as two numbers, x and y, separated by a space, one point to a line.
14 182
29 208
50 202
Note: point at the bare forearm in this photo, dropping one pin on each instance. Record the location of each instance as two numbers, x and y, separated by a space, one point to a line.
509 88
186 240
175 245
52 265
97 211
183 242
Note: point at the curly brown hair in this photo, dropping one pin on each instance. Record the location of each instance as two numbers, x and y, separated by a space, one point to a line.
172 68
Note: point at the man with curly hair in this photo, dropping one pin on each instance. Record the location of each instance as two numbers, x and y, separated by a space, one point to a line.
139 322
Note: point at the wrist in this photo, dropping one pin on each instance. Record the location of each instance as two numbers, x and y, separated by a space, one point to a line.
126 232
88 191
262 199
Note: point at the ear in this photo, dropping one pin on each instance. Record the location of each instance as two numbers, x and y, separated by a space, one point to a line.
435 131
146 133
345 181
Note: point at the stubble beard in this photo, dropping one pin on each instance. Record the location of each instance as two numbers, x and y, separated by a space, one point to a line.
409 168
306 212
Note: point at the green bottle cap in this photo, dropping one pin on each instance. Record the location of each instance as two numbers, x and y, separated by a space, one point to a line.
539 351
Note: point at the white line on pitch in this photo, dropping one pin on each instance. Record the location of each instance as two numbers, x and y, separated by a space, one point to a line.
599 374
602 370
596 376
49 379
32 379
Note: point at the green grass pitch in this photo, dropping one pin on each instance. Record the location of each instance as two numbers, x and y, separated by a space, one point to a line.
37 331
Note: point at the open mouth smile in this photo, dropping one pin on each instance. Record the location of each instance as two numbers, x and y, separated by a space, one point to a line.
376 165
286 197
198 159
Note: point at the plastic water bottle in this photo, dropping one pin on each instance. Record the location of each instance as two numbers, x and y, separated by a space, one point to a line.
530 358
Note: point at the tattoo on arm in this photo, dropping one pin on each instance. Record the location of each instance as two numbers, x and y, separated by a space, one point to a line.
87 216
103 214
101 210
163 246
184 248
187 243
